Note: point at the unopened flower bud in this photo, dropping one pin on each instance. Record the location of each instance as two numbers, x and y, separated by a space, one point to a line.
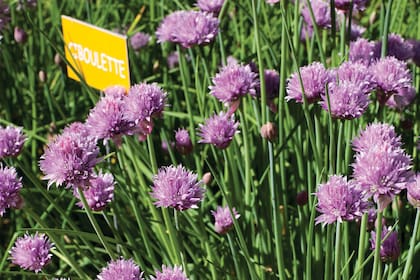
269 131
57 59
302 198
42 76
183 142
20 35
207 178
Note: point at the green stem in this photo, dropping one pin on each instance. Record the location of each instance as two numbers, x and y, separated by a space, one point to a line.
328 256
410 256
338 246
94 224
384 49
276 221
377 255
362 245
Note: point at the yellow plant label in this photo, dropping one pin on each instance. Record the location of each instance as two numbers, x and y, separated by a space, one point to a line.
96 55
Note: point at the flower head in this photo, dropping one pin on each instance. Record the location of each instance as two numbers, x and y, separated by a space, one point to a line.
233 81
176 187
139 40
32 252
11 141
188 28
211 6
321 11
415 44
10 185
376 134
382 172
391 76
183 141
358 5
4 14
218 130
100 192
20 35
272 85
397 47
345 100
339 200
363 51
169 273
390 247
413 192
223 219
356 73
314 78
121 269
401 99
69 159
144 101
107 119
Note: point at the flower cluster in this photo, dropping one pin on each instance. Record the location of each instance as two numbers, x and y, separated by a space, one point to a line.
381 167
183 142
340 200
11 141
218 130
176 187
233 81
10 185
32 252
169 273
99 193
223 219
139 40
188 28
309 81
69 159
211 6
390 247
121 269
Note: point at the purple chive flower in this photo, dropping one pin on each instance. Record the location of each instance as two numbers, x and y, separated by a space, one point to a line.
321 11
223 219
169 273
69 159
183 141
382 171
232 82
10 185
397 47
32 252
376 134
211 6
11 141
176 187
139 40
413 191
347 100
77 128
272 2
403 98
173 59
272 85
4 14
390 247
391 76
363 51
107 119
121 269
188 28
99 193
415 44
314 79
338 200
218 130
116 91
356 31
356 73
144 101
358 5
